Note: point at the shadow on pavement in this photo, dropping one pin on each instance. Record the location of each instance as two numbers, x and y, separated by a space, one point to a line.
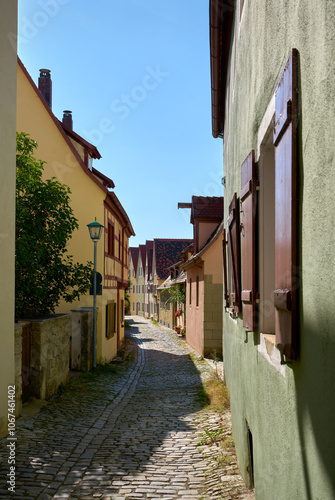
159 409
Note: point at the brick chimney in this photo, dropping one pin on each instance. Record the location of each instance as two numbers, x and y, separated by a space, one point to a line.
67 119
45 86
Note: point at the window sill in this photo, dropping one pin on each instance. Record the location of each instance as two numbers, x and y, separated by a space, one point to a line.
270 341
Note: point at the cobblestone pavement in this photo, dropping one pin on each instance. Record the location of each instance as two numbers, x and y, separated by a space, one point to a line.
134 434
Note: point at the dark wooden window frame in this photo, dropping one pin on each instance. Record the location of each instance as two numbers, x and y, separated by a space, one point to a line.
248 241
285 140
111 239
234 268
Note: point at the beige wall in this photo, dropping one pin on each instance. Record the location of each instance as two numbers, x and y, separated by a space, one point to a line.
214 261
140 284
166 316
205 229
8 29
133 283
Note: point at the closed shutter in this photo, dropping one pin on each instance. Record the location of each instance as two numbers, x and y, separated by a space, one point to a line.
114 316
107 321
225 283
286 217
234 255
248 242
110 318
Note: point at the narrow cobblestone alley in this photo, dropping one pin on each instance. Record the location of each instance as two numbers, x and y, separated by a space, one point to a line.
134 434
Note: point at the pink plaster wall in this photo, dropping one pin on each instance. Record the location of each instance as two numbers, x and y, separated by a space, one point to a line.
194 314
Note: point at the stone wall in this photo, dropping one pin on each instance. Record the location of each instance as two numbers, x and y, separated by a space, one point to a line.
18 370
166 317
50 354
82 339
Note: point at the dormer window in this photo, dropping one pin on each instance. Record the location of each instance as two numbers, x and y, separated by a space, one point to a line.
90 163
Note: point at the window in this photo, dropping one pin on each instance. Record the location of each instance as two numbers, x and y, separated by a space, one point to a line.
110 238
110 319
142 288
234 269
133 288
142 306
266 230
119 245
248 240
273 272
190 291
285 139
133 306
197 291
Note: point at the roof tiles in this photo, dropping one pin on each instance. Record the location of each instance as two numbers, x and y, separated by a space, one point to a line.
167 253
134 255
207 207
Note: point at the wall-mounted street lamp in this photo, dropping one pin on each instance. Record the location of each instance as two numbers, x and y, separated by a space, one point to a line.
95 230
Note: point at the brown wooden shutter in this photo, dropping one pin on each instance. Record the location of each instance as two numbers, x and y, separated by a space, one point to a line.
225 283
234 255
286 219
248 241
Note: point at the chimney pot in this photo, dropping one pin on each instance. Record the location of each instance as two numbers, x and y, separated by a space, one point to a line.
45 86
67 119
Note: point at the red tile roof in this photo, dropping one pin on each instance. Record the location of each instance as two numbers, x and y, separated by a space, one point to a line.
134 256
207 207
112 196
142 253
105 180
149 252
167 253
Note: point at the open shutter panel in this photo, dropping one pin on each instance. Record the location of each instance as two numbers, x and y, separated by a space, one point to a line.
286 229
248 242
234 255
225 284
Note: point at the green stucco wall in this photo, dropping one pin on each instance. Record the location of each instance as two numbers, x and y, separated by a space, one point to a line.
290 413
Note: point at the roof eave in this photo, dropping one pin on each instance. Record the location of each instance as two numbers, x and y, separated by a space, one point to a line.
221 19
58 126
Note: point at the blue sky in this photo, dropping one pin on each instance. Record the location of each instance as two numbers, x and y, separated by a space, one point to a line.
136 75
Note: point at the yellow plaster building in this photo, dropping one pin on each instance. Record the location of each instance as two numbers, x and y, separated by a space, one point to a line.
8 30
69 158
133 257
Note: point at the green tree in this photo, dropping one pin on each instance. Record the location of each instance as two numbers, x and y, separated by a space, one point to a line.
176 293
44 272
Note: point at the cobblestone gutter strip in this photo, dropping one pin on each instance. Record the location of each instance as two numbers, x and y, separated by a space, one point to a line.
96 436
222 477
54 446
